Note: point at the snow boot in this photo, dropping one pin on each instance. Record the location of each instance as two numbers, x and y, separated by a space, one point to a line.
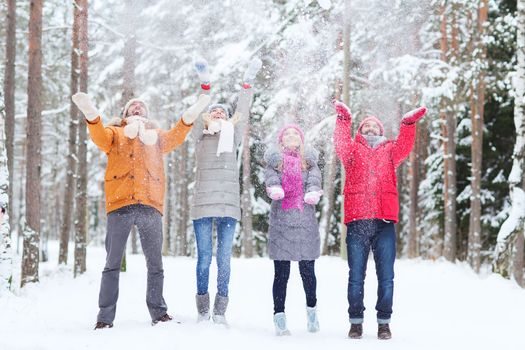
203 307
356 331
102 325
279 320
383 331
312 324
219 309
163 318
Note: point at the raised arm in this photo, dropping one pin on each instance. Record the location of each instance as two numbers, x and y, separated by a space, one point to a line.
407 135
245 98
242 113
343 142
173 138
202 69
169 140
101 136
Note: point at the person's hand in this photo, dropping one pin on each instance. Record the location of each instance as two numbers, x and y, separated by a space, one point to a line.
251 72
414 115
214 127
275 192
342 110
192 113
312 197
84 104
203 71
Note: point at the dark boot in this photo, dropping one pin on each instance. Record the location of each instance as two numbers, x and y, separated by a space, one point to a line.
102 325
383 331
356 331
164 318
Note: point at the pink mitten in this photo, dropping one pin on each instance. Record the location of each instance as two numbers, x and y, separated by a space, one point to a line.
275 192
414 115
343 112
312 197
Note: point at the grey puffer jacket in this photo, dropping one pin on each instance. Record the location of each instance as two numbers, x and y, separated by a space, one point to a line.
217 190
293 234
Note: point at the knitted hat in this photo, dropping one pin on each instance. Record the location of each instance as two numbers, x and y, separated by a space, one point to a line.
374 119
221 106
130 102
293 126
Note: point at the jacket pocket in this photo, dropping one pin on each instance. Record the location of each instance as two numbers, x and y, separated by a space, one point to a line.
389 204
118 186
155 186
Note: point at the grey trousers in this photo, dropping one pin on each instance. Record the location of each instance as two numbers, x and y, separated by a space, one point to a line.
149 223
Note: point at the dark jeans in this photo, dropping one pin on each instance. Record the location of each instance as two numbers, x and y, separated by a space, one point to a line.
149 223
380 236
280 282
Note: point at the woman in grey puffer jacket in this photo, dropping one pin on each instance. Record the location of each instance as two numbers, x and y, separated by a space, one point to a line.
293 182
216 196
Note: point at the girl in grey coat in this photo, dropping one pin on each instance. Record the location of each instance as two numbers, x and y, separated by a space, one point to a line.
216 196
293 182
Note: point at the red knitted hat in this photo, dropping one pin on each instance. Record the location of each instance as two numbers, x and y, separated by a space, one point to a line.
373 119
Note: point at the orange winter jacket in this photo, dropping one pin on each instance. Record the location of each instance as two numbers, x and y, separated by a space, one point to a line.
135 171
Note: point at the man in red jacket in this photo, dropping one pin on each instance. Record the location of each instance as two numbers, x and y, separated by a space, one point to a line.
371 207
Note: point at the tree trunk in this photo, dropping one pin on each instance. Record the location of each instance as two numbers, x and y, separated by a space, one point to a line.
329 192
517 257
9 102
74 117
30 255
449 152
81 196
130 44
346 100
514 225
246 200
413 176
6 257
477 102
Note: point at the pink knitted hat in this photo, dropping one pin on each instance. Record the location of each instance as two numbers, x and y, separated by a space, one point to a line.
293 126
373 119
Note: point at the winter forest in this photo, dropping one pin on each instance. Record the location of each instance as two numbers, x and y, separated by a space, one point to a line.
461 189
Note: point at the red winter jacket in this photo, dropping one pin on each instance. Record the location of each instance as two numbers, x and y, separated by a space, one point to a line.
371 185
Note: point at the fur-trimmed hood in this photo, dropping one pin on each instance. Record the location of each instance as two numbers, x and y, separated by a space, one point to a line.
273 156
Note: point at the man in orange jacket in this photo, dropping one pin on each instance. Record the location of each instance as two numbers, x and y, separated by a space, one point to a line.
134 186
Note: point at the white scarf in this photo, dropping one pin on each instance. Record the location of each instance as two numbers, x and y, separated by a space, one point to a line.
227 133
136 125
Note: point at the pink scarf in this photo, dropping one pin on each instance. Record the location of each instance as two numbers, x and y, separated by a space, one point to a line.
292 181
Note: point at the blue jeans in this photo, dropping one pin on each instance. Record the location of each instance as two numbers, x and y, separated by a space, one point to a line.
203 236
379 235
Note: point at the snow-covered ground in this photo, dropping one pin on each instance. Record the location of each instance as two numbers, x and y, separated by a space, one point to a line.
437 305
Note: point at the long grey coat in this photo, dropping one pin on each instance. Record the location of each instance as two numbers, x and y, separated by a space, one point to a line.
293 235
216 190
